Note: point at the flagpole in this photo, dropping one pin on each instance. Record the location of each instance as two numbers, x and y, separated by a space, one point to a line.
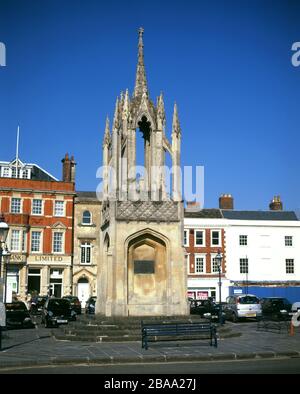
17 151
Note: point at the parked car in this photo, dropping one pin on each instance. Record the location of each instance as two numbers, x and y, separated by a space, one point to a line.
37 305
278 307
206 308
242 306
90 305
296 307
75 303
17 315
57 311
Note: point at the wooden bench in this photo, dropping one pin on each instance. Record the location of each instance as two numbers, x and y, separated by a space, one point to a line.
153 332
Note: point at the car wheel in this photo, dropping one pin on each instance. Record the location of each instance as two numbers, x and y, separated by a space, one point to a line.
234 318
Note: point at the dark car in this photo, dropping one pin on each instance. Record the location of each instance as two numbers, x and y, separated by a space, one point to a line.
75 303
37 305
278 307
17 315
206 308
90 305
57 311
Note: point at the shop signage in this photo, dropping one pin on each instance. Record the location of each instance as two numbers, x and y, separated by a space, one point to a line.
49 258
17 258
202 295
237 291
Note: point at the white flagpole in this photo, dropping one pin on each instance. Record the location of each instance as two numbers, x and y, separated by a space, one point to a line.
17 151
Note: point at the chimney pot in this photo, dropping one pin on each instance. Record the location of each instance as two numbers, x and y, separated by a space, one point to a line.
68 174
276 204
226 201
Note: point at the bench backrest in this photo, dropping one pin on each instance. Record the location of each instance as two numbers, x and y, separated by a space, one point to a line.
175 328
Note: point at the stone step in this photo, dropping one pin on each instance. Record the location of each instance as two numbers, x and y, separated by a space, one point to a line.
121 338
115 329
96 338
131 322
99 332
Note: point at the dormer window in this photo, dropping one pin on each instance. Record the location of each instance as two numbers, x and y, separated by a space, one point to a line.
5 172
86 218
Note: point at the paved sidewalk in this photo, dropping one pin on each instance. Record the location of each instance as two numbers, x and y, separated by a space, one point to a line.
37 347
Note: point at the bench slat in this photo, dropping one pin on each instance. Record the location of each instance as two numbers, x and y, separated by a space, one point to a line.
177 330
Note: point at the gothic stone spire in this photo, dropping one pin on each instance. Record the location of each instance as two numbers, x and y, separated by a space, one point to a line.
140 80
107 137
176 125
116 121
161 116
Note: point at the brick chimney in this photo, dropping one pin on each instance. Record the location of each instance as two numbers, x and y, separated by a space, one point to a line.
193 206
68 174
226 201
73 169
276 204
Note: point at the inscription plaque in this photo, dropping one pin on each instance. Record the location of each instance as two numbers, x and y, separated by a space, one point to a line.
144 266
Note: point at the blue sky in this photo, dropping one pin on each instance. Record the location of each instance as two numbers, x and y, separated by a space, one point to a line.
227 64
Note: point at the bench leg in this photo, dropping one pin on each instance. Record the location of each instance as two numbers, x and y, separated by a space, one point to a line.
144 343
214 334
216 341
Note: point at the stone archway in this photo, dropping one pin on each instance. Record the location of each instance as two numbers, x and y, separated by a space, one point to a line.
146 274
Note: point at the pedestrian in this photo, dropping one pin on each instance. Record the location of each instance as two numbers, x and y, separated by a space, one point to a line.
28 301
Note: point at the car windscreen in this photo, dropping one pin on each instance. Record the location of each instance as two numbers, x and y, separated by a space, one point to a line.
279 301
16 306
248 300
59 304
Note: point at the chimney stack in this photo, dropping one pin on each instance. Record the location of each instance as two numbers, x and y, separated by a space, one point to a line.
276 204
226 201
68 174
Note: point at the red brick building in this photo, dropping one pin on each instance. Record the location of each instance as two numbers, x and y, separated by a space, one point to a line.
39 211
204 238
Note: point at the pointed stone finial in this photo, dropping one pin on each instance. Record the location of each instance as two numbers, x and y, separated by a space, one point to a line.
121 103
161 116
176 125
116 115
161 104
140 80
106 139
125 111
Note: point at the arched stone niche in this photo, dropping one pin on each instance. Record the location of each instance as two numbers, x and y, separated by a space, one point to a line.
147 270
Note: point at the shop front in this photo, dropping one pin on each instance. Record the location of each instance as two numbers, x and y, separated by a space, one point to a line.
202 289
49 275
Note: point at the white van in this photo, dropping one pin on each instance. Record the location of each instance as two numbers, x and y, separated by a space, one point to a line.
242 306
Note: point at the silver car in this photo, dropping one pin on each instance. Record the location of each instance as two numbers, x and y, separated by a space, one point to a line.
242 306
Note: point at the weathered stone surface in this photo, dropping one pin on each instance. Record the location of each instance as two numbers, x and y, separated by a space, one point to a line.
158 211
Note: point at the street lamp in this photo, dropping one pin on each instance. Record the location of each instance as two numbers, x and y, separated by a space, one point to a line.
3 235
6 253
219 265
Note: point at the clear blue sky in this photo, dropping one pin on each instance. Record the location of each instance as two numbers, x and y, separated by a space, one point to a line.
226 63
